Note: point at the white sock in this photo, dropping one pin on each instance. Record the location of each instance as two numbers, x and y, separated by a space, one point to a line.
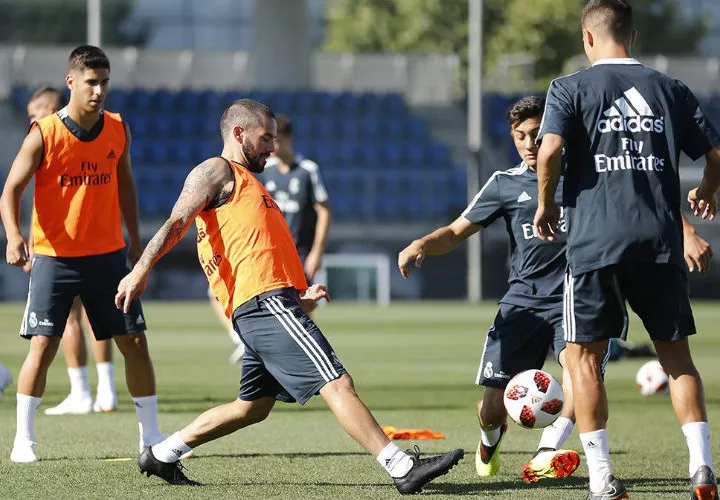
697 436
27 407
396 462
171 449
146 411
556 434
234 336
490 438
79 384
597 456
106 378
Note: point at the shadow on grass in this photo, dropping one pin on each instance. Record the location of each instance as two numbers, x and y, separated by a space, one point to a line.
673 487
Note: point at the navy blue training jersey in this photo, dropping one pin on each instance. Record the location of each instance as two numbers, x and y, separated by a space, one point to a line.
537 267
296 193
624 127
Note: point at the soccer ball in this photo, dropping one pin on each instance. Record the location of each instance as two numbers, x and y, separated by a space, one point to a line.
533 399
651 379
5 378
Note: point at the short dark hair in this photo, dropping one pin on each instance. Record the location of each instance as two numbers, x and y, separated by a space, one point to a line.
612 16
527 107
88 57
245 113
284 125
51 93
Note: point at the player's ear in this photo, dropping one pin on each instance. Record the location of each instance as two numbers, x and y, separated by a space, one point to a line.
633 37
69 80
237 133
588 38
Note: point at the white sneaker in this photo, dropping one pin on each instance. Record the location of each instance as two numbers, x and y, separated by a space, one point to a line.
23 452
72 405
165 435
105 402
237 355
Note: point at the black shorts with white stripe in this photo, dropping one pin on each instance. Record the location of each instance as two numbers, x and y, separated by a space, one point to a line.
286 356
594 302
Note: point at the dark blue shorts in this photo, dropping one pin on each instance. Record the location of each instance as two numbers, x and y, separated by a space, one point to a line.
56 281
286 355
594 302
519 340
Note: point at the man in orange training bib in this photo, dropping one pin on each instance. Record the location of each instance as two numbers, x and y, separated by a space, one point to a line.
248 254
80 158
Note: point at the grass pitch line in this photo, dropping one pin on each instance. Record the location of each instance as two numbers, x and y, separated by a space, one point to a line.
119 459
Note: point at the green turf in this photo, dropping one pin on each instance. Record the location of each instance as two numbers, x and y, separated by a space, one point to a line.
414 365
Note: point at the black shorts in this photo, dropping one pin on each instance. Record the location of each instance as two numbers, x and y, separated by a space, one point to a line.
286 355
594 302
56 281
519 340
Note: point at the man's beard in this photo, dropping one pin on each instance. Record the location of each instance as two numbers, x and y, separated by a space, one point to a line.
254 160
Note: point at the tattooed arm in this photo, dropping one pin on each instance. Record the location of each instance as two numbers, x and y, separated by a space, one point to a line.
204 184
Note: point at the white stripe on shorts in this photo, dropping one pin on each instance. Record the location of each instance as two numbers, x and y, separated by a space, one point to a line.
306 342
569 307
23 324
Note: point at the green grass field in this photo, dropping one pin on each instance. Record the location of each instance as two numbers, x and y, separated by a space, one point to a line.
413 364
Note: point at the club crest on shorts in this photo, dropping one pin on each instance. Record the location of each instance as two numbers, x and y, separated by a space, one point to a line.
488 370
33 321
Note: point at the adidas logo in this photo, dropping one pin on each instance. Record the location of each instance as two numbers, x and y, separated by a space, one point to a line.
590 444
140 320
111 154
523 197
177 452
630 113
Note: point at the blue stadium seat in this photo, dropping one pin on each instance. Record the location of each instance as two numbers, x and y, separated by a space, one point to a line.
163 100
394 104
140 100
349 103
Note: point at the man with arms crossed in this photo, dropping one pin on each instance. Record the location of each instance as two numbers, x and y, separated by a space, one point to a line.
249 257
46 101
622 127
80 158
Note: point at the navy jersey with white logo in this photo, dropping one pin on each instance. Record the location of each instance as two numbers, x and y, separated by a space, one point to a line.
624 127
296 193
537 267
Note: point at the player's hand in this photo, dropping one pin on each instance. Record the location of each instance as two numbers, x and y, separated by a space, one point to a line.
134 252
129 289
413 254
16 253
313 261
28 265
698 252
546 221
309 300
703 205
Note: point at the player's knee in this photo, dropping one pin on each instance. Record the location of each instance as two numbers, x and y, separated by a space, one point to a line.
342 384
43 349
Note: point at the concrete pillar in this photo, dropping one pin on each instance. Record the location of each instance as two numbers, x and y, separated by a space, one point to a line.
281 46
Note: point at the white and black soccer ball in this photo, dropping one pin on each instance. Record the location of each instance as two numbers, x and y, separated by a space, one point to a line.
652 379
533 399
5 378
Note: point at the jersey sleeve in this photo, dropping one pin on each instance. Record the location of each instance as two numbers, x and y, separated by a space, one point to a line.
486 207
559 112
698 134
318 190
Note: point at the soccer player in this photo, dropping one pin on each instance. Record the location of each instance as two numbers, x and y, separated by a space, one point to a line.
80 159
530 317
297 186
249 257
622 126
46 101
